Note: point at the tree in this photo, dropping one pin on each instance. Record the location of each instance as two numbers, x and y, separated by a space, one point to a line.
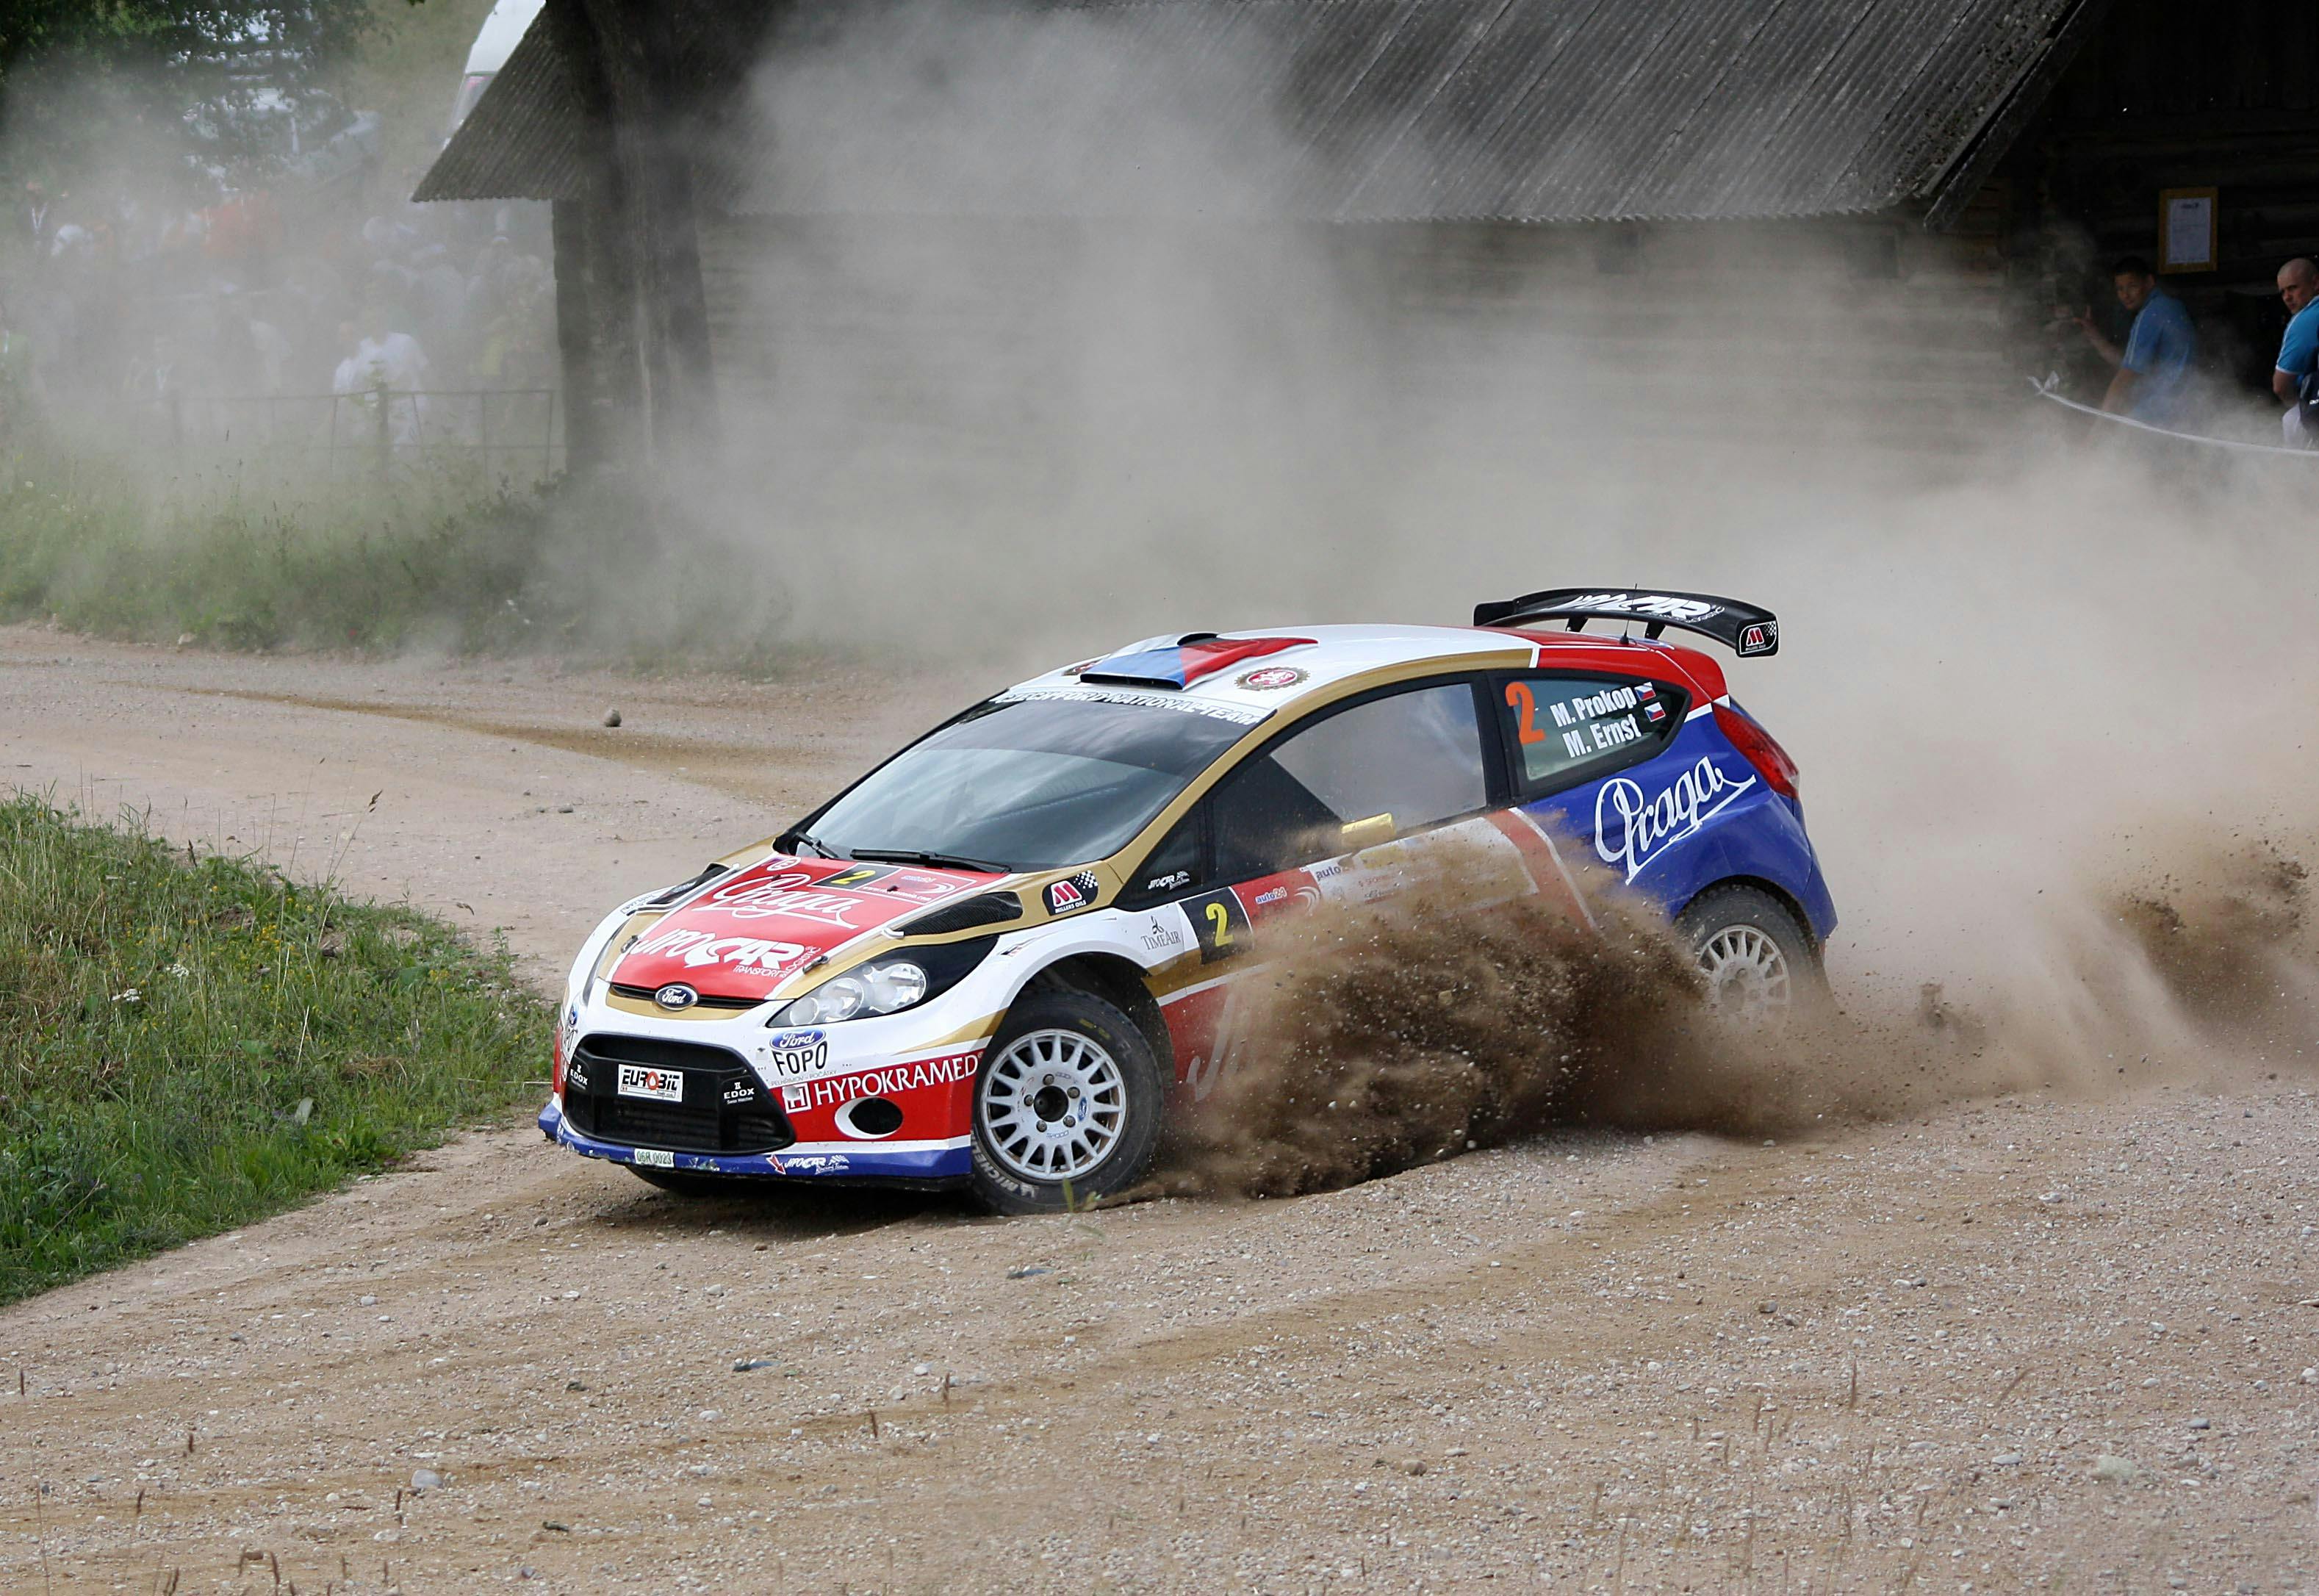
89 87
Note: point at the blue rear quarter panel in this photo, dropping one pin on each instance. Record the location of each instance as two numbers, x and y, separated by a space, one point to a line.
1695 815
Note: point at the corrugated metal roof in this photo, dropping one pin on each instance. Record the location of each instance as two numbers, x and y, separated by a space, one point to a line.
1351 110
517 142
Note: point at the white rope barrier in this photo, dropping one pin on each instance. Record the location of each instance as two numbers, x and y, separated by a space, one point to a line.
2046 390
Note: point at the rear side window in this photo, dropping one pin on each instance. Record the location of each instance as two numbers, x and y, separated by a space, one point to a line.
1567 729
1399 764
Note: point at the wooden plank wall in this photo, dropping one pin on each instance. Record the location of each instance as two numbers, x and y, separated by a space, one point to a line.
982 354
2224 95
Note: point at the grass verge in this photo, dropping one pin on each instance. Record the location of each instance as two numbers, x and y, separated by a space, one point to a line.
187 1045
432 555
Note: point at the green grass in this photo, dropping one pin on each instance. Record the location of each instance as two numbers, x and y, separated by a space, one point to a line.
432 556
187 1046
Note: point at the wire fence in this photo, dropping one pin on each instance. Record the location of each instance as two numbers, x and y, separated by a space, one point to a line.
2049 388
516 433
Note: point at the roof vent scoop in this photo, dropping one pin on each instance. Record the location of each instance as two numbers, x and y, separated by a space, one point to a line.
1179 662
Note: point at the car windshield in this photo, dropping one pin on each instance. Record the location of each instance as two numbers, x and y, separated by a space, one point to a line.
1032 783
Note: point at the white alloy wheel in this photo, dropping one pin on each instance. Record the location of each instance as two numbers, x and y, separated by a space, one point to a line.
1746 972
1052 1105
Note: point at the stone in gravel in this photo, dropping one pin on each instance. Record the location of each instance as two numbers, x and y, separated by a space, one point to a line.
1415 1465
2202 1424
2117 1470
425 1479
2006 1459
370 1302
1028 1271
611 717
743 1365
922 1368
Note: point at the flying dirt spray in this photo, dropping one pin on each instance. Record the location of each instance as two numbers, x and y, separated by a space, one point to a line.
1383 1035
2045 696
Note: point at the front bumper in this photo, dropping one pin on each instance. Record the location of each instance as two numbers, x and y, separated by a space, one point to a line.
777 1106
938 1162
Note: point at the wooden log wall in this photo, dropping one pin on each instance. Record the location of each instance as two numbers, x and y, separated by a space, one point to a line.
2226 95
985 353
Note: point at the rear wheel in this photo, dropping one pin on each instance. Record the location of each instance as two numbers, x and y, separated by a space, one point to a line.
1066 1104
1757 958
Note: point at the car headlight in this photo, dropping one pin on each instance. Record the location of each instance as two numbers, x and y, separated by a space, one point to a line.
884 986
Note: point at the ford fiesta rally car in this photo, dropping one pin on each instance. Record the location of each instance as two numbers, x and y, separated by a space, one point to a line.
996 957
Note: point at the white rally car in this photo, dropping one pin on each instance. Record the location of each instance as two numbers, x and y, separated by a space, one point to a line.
996 958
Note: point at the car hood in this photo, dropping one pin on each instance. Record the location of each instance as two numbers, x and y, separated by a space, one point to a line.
742 935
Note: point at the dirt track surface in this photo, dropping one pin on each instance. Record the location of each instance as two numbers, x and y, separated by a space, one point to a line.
2022 1343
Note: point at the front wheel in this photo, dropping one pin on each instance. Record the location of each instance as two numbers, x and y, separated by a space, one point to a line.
1066 1106
1757 958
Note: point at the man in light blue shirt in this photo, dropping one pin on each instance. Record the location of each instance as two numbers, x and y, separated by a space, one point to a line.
2152 383
2298 351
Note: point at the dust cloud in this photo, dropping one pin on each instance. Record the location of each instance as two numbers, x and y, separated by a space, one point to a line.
1383 1035
2044 689
1027 349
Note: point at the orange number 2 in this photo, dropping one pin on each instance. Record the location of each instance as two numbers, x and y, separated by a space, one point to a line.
1517 694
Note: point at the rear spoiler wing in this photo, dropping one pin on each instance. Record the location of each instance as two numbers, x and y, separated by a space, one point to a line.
1745 629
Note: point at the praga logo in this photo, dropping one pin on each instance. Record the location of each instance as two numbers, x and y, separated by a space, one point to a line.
1631 829
776 898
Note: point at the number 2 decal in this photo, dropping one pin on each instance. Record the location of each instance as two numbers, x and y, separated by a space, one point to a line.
1220 924
1519 696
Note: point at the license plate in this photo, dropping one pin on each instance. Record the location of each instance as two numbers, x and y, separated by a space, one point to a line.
661 1086
796 1063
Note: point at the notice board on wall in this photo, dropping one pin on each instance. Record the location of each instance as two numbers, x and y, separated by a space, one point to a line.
2188 229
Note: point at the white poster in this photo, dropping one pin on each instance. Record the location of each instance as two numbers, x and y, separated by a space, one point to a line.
2190 233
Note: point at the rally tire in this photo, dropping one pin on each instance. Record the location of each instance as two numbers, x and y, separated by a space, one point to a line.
689 1183
1054 1038
1759 960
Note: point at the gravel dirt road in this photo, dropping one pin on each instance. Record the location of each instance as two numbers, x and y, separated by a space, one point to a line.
2026 1343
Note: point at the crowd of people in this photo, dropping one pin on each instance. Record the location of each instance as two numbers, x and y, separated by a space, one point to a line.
168 323
2155 370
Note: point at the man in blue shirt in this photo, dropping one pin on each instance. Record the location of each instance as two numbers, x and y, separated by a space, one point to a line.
2298 351
2152 383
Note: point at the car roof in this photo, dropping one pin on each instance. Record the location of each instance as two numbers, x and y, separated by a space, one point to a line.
1256 681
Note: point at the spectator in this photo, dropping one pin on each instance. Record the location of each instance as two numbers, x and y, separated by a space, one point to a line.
2152 384
251 355
2298 351
390 363
19 376
40 217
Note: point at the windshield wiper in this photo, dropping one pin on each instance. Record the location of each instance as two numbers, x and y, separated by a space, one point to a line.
955 862
791 842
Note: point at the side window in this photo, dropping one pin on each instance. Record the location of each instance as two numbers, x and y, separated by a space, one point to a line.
1379 770
1568 729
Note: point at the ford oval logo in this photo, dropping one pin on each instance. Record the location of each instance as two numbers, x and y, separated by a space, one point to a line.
676 996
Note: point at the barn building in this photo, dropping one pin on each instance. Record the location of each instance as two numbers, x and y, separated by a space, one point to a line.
809 209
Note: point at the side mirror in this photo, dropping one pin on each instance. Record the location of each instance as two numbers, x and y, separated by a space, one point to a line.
1368 834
